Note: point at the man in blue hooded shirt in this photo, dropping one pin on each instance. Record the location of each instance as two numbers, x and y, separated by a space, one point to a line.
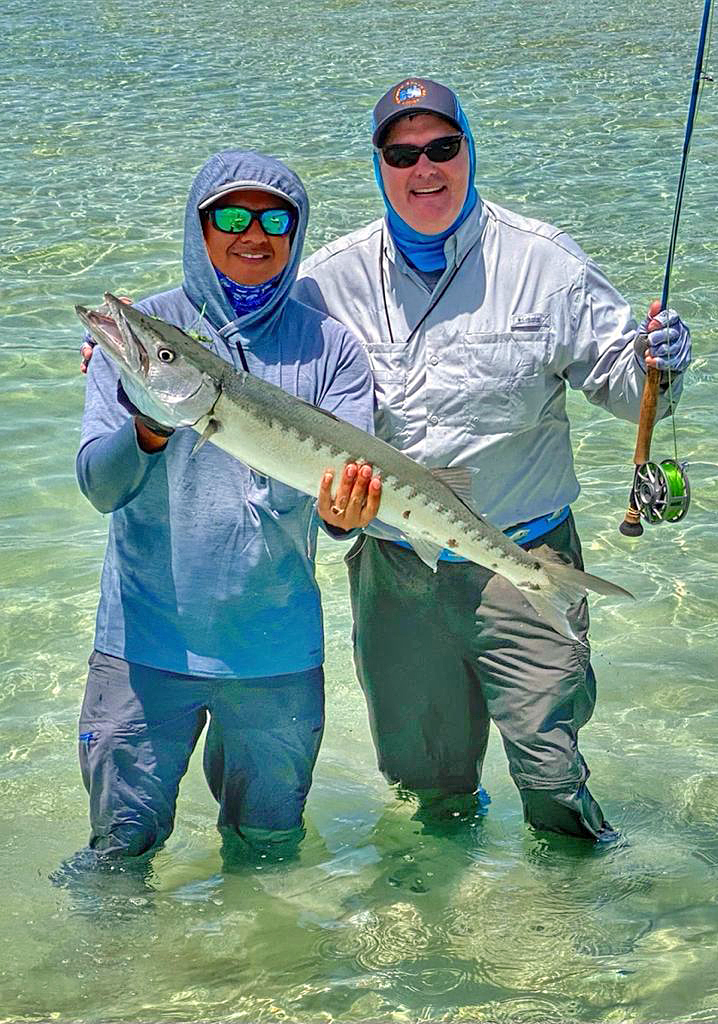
475 320
209 605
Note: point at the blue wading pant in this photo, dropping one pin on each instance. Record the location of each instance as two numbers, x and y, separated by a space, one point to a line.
440 654
139 726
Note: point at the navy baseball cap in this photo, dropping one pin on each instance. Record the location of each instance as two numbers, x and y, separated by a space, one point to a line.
413 96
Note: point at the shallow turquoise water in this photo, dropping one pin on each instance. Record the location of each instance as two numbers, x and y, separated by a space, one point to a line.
578 110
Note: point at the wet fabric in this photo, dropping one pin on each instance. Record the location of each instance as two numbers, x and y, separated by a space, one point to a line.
139 726
438 654
209 567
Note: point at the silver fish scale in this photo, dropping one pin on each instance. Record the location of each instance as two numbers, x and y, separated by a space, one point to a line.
274 405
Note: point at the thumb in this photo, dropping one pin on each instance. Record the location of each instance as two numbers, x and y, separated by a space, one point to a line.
653 310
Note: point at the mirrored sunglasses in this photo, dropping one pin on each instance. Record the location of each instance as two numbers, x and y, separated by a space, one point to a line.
236 219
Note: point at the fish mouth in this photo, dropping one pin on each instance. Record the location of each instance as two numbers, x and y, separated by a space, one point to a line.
112 327
122 345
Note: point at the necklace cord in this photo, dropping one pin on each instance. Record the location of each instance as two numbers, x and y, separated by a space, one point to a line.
434 302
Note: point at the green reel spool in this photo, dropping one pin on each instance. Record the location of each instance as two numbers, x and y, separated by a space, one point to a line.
661 492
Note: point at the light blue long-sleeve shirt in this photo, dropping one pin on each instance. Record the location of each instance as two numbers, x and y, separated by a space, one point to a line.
209 566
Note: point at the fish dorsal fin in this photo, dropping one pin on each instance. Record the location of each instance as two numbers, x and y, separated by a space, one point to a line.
457 479
427 551
318 408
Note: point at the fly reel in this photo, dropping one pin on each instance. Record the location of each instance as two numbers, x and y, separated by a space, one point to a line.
661 492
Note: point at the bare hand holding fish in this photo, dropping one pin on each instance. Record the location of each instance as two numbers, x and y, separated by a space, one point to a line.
357 499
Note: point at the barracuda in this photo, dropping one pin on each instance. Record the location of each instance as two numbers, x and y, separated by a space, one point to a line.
177 381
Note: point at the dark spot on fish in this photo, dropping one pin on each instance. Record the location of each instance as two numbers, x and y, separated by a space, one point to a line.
452 542
406 513
495 565
537 565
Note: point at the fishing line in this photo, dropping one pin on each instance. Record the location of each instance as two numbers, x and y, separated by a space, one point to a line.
700 77
661 491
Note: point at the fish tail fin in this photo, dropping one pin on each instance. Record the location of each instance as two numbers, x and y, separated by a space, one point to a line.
567 586
566 576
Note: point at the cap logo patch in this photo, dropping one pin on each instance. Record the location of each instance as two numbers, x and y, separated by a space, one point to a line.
409 92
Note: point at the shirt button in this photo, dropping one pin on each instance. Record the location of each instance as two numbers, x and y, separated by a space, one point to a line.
434 360
433 420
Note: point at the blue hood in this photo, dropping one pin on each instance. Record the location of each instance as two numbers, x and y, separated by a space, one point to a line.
243 168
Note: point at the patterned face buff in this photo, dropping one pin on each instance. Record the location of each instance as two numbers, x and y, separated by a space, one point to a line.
247 298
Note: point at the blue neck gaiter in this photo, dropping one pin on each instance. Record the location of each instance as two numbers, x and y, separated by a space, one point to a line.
247 298
426 252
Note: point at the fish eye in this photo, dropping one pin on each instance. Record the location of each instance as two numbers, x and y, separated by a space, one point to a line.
165 355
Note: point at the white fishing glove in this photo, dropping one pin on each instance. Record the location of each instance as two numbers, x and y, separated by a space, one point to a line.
670 345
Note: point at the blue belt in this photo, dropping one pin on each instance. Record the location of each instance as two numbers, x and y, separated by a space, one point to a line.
522 533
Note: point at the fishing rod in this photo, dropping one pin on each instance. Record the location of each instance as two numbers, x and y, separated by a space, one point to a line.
660 492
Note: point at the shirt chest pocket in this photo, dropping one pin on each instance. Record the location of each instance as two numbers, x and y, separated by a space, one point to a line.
388 366
506 379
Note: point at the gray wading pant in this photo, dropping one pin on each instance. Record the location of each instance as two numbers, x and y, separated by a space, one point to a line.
439 654
139 726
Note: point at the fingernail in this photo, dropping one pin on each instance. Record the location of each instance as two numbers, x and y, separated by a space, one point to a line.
366 472
351 472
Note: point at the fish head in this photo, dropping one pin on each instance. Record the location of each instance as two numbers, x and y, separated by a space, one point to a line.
165 373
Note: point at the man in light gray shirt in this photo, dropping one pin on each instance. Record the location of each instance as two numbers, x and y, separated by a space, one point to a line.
475 319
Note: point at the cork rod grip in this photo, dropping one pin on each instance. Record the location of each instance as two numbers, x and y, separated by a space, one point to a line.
647 416
631 525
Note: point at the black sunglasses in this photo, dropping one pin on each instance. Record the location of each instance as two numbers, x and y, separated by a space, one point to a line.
401 154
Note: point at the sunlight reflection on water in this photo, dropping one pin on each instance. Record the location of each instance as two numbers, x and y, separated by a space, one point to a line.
578 122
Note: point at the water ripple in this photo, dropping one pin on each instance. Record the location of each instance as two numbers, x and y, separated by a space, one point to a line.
529 1010
578 122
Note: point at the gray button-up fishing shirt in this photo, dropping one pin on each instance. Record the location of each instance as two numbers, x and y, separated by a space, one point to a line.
521 313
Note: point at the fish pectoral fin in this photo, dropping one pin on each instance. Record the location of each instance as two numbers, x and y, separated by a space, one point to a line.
427 551
457 479
209 431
